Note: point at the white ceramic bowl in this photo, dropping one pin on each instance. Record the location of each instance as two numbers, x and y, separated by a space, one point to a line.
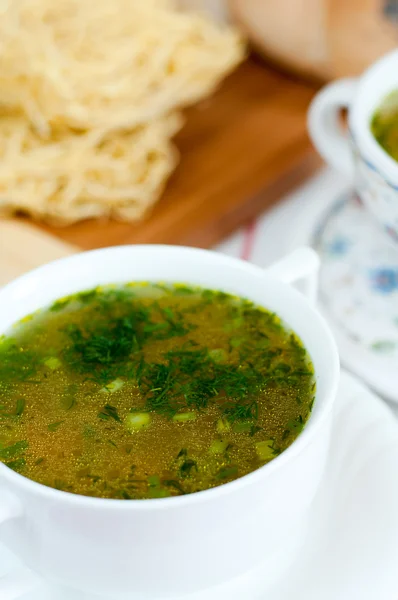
152 548
358 154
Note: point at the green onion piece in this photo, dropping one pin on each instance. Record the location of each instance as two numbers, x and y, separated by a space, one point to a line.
235 342
223 425
154 480
227 472
113 386
218 355
265 450
53 363
158 492
137 421
243 427
184 417
218 446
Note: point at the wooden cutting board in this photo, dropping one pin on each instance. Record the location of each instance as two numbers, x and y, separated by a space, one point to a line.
241 151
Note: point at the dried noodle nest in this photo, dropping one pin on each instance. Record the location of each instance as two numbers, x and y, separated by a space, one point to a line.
90 97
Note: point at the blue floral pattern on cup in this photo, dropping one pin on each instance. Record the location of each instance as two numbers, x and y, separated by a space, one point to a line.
358 281
338 246
384 279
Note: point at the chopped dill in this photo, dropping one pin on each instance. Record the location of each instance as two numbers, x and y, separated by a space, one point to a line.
109 412
17 363
227 472
187 466
173 483
7 452
17 464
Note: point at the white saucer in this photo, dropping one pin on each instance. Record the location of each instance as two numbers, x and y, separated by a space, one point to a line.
352 549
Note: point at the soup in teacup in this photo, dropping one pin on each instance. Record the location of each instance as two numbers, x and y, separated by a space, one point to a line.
385 124
149 390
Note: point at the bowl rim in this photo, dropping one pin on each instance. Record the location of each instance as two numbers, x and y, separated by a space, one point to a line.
360 117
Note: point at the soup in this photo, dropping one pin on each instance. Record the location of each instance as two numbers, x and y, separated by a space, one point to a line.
385 125
149 390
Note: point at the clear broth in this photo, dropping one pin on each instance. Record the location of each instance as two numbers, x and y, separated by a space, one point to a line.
148 391
384 125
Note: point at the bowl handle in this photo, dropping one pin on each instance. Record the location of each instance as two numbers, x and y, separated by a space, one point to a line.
21 580
300 268
325 126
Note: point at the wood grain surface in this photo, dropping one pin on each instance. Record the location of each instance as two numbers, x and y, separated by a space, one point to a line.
241 151
23 247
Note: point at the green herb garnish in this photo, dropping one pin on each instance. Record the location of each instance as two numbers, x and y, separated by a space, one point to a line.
17 464
217 375
173 483
241 410
109 412
227 472
17 364
13 450
20 406
187 466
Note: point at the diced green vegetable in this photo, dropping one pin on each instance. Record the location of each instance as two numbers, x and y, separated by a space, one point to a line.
227 472
53 363
184 417
153 480
223 425
243 427
265 450
235 342
113 386
137 421
218 446
296 425
218 355
158 492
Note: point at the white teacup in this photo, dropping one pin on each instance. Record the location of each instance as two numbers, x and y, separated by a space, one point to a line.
358 154
146 549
